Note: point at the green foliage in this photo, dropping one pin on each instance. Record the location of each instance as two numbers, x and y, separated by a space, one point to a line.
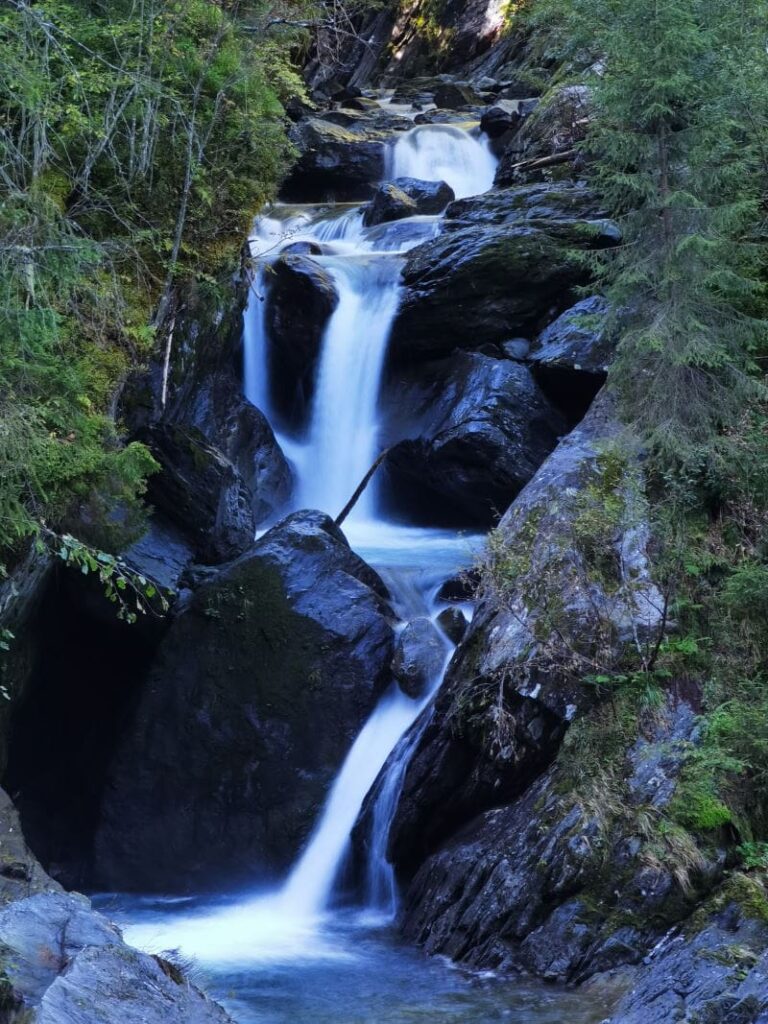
136 143
754 856
131 592
679 108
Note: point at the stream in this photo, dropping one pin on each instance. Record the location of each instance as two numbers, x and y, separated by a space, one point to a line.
300 954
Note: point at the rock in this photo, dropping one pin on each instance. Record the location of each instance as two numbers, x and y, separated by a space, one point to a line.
162 554
554 128
458 770
577 340
334 162
194 404
532 204
301 299
715 972
516 348
482 284
480 429
453 95
405 197
459 588
20 873
496 121
419 657
453 623
258 690
467 118
64 963
550 884
200 490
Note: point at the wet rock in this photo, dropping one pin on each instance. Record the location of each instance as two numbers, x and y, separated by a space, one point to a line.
453 623
302 297
20 873
162 554
200 489
527 204
64 963
716 972
483 284
405 197
501 714
419 657
188 407
462 118
453 95
258 690
334 162
459 588
553 130
577 340
496 121
550 884
480 428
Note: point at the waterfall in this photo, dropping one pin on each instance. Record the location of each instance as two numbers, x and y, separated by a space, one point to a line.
444 153
331 459
310 884
342 438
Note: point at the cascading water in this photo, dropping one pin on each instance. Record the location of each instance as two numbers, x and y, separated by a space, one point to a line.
444 153
273 949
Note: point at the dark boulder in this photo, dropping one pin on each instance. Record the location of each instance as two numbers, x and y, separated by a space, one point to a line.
577 340
496 121
483 284
334 162
570 357
419 656
453 623
259 688
202 492
189 407
301 298
480 427
454 95
527 204
405 197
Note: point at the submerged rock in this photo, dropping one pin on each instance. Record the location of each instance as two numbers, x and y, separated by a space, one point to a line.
419 657
405 197
481 429
259 688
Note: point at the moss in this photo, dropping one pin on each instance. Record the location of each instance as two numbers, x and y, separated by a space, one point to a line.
748 892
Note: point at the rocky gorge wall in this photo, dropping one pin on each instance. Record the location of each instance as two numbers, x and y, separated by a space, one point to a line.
521 838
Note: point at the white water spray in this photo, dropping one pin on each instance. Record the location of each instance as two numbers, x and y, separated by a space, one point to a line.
444 153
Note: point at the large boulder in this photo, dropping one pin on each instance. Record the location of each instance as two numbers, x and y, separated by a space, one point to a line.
577 341
259 688
64 963
202 492
483 284
301 298
189 407
334 162
454 95
406 197
526 204
510 691
478 428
